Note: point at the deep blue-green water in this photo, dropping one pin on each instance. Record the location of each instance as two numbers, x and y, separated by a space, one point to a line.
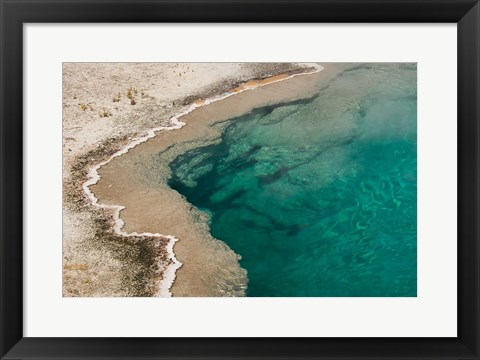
318 197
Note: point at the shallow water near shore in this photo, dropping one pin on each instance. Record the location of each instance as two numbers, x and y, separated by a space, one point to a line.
318 196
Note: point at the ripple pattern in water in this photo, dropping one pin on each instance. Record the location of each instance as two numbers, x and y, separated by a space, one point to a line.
318 197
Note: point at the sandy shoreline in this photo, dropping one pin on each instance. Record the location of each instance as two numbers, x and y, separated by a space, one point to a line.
101 116
210 267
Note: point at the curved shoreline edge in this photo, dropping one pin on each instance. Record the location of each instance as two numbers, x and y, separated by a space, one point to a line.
169 271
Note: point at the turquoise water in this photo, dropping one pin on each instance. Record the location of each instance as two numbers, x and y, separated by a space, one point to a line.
318 197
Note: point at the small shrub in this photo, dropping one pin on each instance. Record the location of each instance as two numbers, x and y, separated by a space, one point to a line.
84 106
131 93
105 113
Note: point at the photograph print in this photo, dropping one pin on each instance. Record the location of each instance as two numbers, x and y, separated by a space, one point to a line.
239 179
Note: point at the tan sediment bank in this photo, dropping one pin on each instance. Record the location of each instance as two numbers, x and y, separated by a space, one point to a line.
137 180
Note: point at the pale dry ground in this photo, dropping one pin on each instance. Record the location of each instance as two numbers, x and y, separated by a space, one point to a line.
104 106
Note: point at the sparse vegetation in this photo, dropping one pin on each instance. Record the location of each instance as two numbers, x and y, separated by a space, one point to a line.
105 113
116 98
131 93
84 106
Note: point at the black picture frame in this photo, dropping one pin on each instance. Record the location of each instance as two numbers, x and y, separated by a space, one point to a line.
15 13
